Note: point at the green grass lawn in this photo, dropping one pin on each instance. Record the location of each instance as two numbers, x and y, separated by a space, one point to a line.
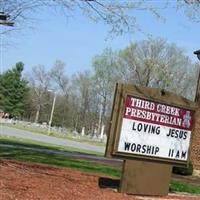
20 153
183 187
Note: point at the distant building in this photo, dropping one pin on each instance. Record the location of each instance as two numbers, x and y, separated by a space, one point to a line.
3 114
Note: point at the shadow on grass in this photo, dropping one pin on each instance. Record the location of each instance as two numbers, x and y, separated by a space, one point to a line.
42 146
20 154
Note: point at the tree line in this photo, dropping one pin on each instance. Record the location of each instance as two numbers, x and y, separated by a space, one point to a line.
85 98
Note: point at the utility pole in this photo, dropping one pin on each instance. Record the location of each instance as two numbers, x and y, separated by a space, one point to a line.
52 111
100 119
197 88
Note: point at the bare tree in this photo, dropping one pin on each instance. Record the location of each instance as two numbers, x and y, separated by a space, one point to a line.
85 98
61 82
155 63
39 81
60 78
105 78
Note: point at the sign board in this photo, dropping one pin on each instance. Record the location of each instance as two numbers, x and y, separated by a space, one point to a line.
150 124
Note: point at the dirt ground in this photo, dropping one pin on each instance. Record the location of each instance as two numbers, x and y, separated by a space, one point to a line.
22 181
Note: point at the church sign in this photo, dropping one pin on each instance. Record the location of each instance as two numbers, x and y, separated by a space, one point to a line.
150 124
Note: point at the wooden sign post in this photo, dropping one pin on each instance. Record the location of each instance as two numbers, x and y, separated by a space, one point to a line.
145 178
151 130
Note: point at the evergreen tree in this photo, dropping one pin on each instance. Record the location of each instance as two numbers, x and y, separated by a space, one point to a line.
13 91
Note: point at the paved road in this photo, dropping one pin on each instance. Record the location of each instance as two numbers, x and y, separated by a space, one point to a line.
7 131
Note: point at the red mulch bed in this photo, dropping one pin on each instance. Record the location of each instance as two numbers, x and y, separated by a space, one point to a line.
22 181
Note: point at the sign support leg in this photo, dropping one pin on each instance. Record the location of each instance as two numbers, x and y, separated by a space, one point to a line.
145 178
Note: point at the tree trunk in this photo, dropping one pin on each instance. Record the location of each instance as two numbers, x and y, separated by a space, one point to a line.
37 114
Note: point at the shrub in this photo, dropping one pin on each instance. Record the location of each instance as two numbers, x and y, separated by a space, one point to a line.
188 170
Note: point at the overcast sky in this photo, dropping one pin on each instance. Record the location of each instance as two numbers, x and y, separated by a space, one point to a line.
76 40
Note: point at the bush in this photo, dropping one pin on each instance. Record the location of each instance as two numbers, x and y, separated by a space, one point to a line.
183 170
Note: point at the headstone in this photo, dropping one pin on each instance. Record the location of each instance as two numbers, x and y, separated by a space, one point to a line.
83 131
102 132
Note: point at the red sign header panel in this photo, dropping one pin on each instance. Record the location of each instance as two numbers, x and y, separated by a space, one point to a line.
158 113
